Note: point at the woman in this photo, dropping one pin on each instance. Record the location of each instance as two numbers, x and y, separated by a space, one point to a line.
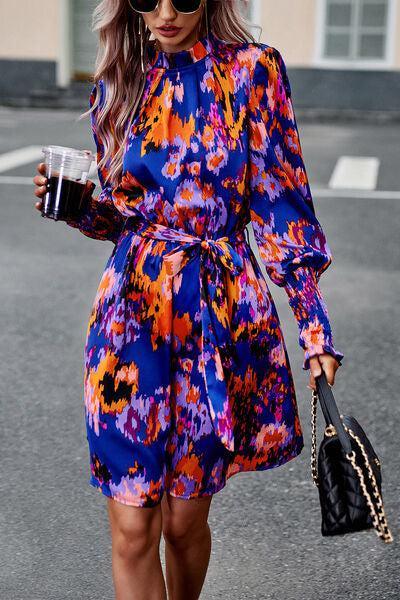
187 378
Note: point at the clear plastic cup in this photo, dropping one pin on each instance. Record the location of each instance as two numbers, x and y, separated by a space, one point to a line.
67 170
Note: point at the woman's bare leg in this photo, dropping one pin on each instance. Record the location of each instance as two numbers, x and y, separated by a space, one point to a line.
136 566
187 545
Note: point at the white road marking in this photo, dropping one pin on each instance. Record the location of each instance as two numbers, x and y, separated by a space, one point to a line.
346 193
316 192
4 179
21 156
355 172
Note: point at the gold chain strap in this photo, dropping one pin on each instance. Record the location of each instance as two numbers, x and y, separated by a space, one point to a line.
377 512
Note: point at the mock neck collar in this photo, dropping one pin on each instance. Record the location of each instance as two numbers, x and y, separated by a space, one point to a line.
172 60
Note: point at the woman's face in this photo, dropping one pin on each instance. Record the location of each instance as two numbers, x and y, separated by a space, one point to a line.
186 26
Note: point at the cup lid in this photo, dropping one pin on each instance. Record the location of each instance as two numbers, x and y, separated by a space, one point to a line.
65 150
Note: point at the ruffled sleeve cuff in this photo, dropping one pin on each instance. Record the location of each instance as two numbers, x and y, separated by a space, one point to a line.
99 218
321 349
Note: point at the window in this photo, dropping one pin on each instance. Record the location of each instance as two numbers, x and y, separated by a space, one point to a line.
355 29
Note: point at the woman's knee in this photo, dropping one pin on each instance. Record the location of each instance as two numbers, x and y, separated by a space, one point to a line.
135 530
184 522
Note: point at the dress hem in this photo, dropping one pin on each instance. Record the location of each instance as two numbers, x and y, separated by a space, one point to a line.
285 459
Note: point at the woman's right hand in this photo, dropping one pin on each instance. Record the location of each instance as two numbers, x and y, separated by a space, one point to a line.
40 181
41 184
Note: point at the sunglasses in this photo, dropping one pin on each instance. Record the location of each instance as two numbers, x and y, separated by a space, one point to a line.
182 6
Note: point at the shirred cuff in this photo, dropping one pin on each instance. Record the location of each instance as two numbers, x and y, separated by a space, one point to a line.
311 314
321 349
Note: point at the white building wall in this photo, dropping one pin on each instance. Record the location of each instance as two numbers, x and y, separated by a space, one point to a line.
295 27
38 30
29 29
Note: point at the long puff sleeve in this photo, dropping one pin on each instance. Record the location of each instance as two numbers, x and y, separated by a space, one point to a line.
292 244
100 218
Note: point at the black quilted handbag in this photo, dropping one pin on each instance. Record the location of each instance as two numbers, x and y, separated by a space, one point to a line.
348 476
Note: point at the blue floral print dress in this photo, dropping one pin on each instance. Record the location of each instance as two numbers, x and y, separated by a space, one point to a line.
187 377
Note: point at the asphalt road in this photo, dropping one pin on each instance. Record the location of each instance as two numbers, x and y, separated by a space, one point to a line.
267 543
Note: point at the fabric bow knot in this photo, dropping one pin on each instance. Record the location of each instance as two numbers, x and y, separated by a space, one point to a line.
217 258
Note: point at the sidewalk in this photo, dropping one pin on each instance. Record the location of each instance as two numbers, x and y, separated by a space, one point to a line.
76 97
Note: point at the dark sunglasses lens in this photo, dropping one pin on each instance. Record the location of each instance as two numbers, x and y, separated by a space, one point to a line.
144 5
186 6
183 6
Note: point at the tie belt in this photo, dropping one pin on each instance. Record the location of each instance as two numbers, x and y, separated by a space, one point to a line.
215 256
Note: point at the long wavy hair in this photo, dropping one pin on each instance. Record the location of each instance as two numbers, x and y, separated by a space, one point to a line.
118 64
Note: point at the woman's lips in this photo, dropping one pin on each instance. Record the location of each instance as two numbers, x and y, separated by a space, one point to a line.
169 31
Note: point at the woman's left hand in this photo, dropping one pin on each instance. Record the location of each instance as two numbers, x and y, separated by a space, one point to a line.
325 362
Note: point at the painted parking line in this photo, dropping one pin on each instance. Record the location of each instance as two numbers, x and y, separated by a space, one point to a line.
21 156
13 180
356 194
355 172
316 192
348 193
29 154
